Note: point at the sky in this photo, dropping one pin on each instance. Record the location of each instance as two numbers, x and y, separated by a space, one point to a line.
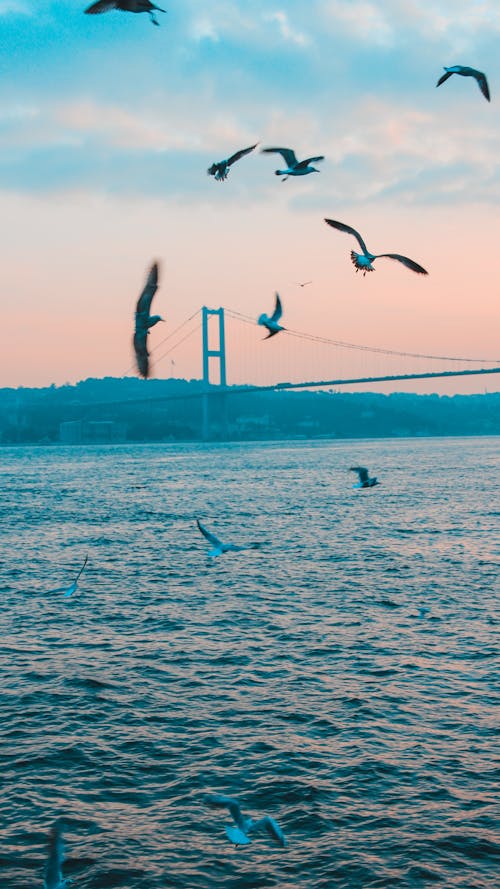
108 125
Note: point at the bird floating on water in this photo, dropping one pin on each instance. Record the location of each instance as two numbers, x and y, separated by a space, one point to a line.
220 170
467 72
69 590
239 834
53 869
271 323
364 261
364 479
294 167
125 6
143 321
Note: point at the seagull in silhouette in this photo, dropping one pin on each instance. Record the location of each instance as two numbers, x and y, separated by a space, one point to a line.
364 261
467 72
304 284
239 834
294 167
69 590
271 323
125 6
364 479
218 546
53 869
143 321
220 170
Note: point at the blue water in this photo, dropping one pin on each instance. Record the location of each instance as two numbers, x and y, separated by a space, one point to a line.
340 678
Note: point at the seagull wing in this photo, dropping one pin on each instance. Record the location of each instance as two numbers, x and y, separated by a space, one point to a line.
209 536
350 231
362 472
272 827
444 77
150 288
218 801
414 266
278 310
482 84
286 153
141 352
101 6
77 578
53 869
310 160
239 154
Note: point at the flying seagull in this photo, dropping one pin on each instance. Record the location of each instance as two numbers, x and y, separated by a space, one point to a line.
143 321
125 6
304 284
271 323
467 72
364 479
220 170
69 590
53 868
218 546
364 261
239 834
294 167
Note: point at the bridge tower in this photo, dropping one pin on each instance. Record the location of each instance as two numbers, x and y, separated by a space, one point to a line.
218 352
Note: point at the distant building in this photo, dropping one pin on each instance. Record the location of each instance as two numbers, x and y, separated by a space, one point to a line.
92 432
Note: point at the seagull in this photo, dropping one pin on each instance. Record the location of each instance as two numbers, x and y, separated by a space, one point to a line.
271 323
294 167
53 868
364 479
364 261
218 546
245 826
467 72
220 170
125 6
69 590
143 321
304 284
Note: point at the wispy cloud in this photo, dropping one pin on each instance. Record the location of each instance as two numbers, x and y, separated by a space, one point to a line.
287 32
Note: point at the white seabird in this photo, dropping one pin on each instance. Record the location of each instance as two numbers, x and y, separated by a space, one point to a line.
303 284
53 869
364 479
69 590
294 167
467 72
143 321
271 323
125 6
220 170
239 834
218 546
364 261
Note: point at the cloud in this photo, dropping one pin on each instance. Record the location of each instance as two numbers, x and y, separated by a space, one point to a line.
288 33
363 20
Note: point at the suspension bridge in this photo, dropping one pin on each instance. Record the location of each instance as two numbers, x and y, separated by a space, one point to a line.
234 361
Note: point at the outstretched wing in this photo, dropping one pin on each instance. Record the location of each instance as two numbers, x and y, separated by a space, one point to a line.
272 828
53 869
482 84
77 578
101 6
219 801
362 472
310 160
444 77
414 266
278 310
350 231
286 153
239 154
150 288
215 542
141 352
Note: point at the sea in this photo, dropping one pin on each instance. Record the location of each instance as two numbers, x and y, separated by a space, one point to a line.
340 674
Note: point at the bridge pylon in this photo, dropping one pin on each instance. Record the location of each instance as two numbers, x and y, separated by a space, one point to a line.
214 409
